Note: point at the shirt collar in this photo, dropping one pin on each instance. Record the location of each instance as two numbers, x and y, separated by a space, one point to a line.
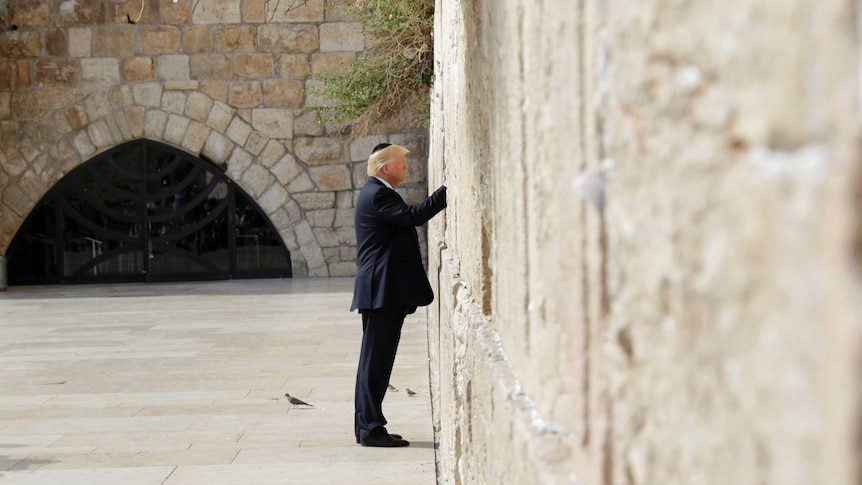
384 182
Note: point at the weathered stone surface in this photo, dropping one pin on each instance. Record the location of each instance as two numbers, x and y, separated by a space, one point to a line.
220 116
293 66
179 13
272 153
29 104
147 94
341 37
305 11
302 183
256 143
139 69
14 74
174 102
56 73
57 45
155 123
288 38
315 200
331 177
99 72
238 131
100 135
320 217
273 123
308 124
135 118
273 199
286 169
114 41
198 106
218 148
254 65
256 180
158 40
175 130
80 42
120 96
217 12
141 12
198 39
29 14
173 67
245 94
239 38
208 66
283 94
97 106
330 63
195 137
16 44
5 105
217 90
320 150
254 11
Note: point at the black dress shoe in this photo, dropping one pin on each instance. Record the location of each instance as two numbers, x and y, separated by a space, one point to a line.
391 435
383 440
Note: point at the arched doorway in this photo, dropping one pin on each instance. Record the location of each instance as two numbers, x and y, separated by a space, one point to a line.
144 211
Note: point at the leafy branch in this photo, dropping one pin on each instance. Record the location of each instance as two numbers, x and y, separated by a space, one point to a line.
392 75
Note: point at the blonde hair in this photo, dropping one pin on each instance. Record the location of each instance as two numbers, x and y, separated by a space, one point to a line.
381 157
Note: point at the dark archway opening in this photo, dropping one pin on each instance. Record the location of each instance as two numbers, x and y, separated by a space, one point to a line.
145 212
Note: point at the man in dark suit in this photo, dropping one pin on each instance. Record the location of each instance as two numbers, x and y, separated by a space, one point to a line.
390 282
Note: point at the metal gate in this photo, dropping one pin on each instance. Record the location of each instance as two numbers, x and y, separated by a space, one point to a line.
144 211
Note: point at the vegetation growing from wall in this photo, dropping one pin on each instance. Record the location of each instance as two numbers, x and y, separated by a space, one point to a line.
393 74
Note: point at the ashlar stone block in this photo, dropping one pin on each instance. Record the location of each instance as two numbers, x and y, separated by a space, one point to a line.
173 67
220 116
286 169
198 106
293 66
17 44
341 36
195 137
14 74
218 148
99 72
175 130
320 150
283 94
306 11
217 12
274 123
209 66
236 38
198 39
155 123
147 94
331 177
138 69
80 42
57 45
245 94
159 40
288 38
114 41
272 153
254 65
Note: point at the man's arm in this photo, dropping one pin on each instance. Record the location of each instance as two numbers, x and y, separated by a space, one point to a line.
392 209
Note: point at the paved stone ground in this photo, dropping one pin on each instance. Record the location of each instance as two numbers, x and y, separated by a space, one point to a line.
184 384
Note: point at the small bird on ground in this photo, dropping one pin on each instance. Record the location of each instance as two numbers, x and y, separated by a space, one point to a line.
296 402
409 392
392 388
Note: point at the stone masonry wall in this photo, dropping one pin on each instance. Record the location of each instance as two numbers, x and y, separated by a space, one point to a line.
226 80
649 267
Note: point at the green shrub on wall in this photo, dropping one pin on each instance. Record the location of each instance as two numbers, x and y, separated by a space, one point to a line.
395 71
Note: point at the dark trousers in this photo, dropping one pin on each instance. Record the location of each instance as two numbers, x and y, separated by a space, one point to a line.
381 332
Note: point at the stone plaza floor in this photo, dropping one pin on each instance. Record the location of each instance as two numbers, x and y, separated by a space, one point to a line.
184 383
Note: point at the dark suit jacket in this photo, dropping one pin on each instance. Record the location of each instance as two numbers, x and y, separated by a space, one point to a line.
389 271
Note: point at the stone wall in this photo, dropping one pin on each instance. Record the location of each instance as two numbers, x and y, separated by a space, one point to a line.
649 267
227 80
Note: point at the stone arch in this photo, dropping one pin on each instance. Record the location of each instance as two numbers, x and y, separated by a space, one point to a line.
179 116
